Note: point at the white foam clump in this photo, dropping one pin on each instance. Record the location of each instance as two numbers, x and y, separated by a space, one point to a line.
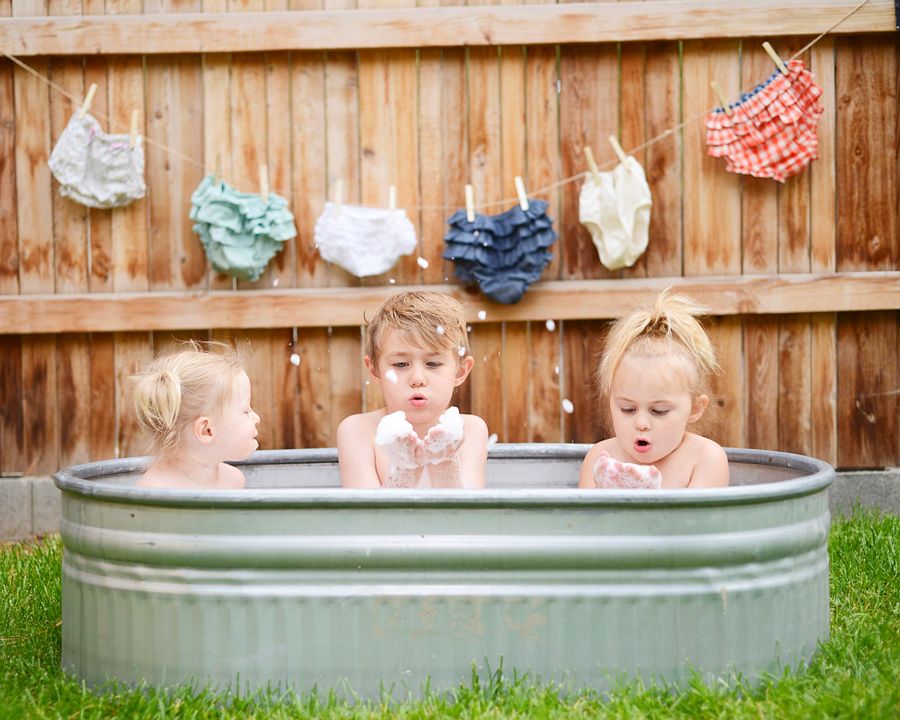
568 406
295 359
450 423
423 263
482 314
391 427
391 375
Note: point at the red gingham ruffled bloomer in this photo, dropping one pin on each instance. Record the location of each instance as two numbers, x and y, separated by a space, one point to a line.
771 132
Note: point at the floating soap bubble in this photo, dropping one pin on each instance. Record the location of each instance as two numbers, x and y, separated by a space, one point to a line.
482 314
568 406
551 325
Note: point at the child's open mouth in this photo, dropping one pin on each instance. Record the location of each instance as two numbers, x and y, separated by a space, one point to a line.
642 445
417 400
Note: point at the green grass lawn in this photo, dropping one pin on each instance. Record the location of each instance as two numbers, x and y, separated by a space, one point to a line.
855 675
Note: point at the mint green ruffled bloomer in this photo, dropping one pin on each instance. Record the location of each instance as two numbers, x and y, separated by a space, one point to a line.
239 231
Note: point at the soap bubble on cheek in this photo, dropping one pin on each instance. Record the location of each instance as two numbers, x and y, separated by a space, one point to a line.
392 376
568 406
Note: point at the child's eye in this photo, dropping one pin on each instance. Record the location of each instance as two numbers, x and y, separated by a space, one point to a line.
660 411
434 364
400 364
626 410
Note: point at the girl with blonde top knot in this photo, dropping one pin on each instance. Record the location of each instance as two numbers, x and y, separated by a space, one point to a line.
654 371
195 404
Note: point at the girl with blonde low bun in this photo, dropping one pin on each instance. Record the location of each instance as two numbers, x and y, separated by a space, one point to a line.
195 405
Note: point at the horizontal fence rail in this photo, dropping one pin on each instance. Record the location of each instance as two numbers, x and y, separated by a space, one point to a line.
435 27
339 307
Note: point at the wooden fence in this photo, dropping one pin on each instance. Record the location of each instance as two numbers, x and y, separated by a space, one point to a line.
802 277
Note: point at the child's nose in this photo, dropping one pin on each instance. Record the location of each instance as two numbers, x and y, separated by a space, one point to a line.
417 376
642 421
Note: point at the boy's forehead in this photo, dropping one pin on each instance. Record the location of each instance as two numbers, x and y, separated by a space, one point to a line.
397 342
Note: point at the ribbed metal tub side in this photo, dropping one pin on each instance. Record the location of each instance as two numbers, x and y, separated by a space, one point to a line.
312 585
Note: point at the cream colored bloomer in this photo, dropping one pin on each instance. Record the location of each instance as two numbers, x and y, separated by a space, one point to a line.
617 213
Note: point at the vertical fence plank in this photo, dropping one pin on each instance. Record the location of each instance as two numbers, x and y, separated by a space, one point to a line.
544 169
12 450
823 387
632 118
515 354
34 208
585 420
759 225
486 168
102 397
130 243
663 159
867 239
588 114
174 169
310 188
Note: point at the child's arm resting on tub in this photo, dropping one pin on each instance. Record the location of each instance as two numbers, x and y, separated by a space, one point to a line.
356 453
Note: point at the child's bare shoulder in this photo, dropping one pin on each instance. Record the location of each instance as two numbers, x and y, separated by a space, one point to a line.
230 478
474 425
360 425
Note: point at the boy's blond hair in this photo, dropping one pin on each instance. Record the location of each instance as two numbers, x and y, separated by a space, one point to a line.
423 317
670 327
177 388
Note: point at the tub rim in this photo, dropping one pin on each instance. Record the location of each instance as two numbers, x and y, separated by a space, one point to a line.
85 480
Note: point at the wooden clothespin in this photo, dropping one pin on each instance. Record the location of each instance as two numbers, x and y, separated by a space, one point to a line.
779 63
338 194
520 191
720 96
264 182
595 171
617 149
86 105
392 197
470 203
135 116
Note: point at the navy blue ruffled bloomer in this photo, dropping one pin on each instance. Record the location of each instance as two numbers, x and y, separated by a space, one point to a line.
503 253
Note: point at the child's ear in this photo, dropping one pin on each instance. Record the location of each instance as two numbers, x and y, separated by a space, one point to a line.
465 367
372 368
203 430
698 407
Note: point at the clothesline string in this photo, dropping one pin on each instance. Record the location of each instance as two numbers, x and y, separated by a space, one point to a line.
535 193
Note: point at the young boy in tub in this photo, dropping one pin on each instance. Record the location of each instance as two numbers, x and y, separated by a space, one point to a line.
417 351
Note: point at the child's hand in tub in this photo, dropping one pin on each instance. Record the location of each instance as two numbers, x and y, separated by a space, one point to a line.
614 474
395 435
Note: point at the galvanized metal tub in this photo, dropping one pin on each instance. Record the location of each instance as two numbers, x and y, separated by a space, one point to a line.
297 583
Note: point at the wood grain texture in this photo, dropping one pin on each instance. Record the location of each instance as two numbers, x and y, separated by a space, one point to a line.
441 26
324 307
9 229
761 387
712 208
103 415
12 419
